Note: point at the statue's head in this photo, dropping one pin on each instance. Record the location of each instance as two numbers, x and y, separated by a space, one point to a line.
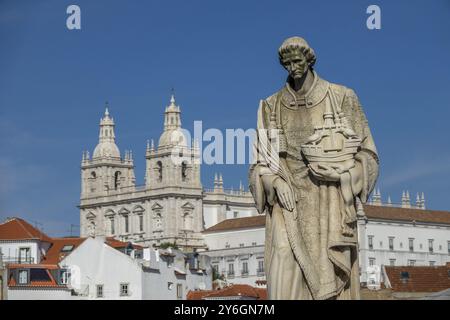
296 56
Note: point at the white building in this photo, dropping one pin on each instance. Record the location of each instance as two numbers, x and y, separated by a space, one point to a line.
236 248
171 207
94 268
388 236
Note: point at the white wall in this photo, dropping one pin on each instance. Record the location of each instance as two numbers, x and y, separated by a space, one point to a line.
38 294
219 240
95 263
421 233
11 249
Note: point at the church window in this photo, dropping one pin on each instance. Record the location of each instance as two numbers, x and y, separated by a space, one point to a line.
117 180
160 169
111 222
183 171
141 222
126 221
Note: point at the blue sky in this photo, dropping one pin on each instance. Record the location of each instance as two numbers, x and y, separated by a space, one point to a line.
221 58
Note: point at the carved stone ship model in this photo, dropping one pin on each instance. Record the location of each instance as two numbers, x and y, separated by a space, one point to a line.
334 141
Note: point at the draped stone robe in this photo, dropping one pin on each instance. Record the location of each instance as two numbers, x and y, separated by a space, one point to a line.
306 254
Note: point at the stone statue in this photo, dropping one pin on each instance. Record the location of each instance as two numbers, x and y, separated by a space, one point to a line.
316 163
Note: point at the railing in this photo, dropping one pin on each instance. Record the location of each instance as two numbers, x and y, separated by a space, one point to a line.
244 273
232 192
18 260
260 272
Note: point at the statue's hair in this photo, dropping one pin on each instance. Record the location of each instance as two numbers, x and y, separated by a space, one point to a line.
296 43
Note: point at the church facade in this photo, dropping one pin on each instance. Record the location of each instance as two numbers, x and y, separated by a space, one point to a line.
171 207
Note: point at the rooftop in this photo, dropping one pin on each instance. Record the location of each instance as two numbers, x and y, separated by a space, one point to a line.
418 278
19 229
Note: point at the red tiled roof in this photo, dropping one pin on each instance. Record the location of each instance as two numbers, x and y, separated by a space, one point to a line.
54 254
235 290
371 211
51 282
420 279
117 244
407 214
19 229
258 221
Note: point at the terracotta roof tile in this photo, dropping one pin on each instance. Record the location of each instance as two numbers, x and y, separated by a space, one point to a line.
258 221
19 229
235 290
54 254
372 212
419 279
407 214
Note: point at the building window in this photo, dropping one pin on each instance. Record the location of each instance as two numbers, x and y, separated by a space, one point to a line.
241 245
401 244
244 268
411 244
253 243
392 262
170 285
216 267
432 263
260 266
141 222
448 247
231 269
127 224
25 255
124 289
235 214
179 291
23 276
391 243
227 245
370 238
430 245
99 291
111 224
421 246
381 244
64 276
371 262
411 263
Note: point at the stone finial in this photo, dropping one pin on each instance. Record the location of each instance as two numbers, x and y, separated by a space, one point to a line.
130 155
423 201
418 201
389 201
406 200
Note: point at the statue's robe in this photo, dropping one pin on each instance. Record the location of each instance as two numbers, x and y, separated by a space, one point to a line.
306 254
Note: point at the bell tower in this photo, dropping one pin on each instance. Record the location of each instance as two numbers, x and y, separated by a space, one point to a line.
106 171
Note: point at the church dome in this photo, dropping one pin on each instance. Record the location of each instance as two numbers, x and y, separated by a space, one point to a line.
173 133
173 137
106 149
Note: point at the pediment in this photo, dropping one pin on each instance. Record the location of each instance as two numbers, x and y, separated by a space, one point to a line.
138 209
156 206
188 205
90 215
124 211
110 212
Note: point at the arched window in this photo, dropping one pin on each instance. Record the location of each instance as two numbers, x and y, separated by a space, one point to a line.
117 180
93 175
183 171
160 171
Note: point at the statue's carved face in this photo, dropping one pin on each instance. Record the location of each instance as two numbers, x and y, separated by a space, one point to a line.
295 63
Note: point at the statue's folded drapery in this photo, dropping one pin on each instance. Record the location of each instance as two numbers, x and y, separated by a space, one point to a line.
307 256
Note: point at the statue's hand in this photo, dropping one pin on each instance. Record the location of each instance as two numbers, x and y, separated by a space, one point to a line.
284 194
325 172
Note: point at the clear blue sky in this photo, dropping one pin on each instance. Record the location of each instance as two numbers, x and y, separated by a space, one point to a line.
221 58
